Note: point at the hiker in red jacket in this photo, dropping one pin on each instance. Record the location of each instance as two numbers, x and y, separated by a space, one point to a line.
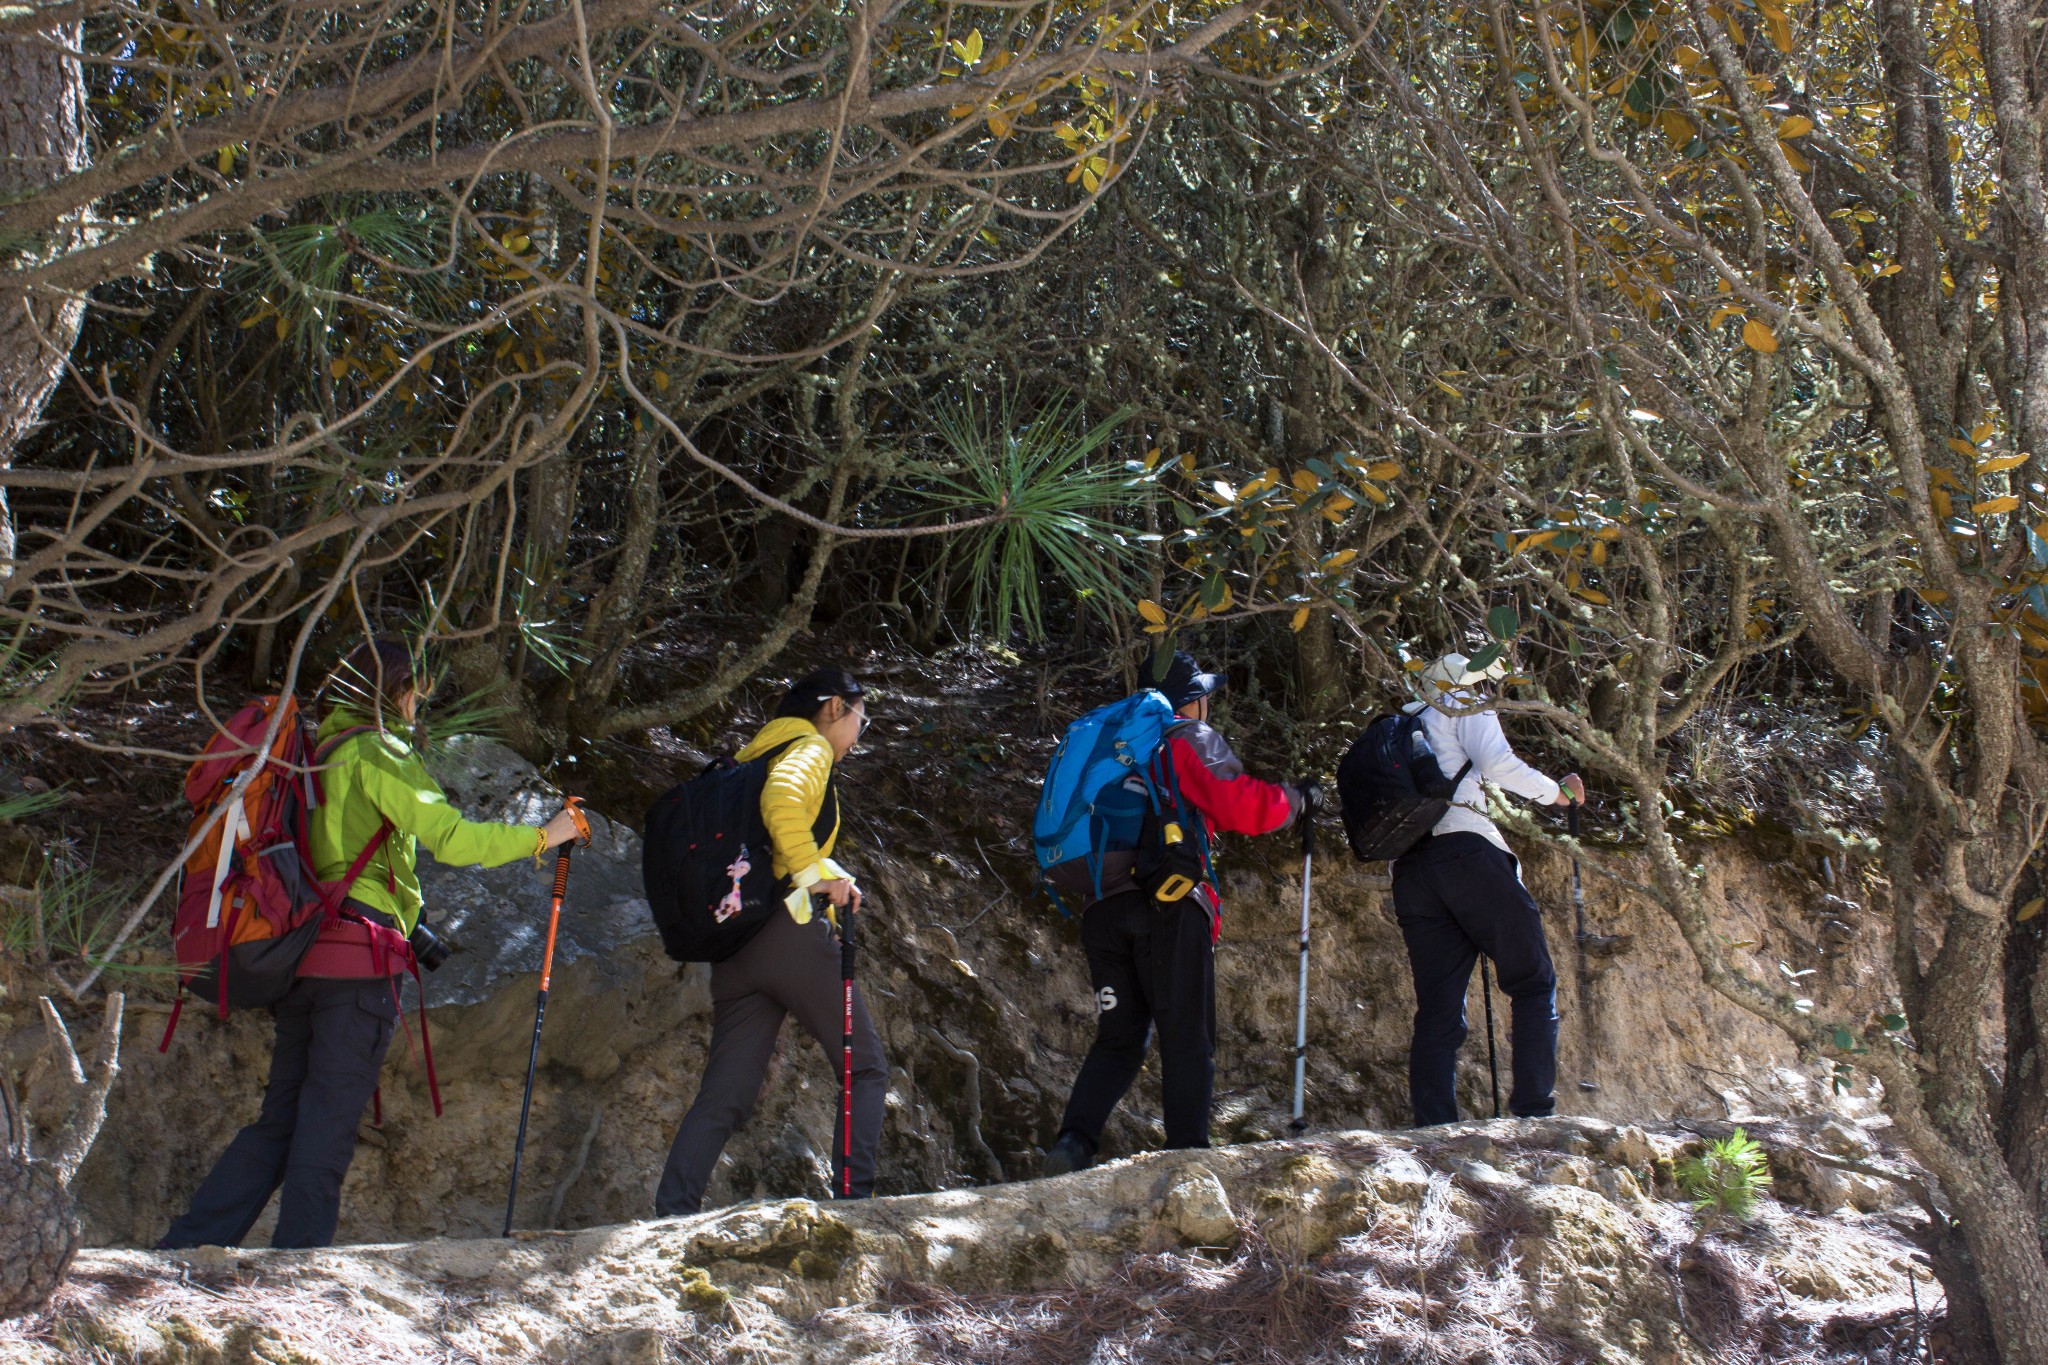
1155 962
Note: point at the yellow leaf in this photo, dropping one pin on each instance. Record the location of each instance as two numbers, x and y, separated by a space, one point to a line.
1962 447
1224 605
1933 596
1608 533
1090 181
1414 665
1187 463
1795 158
661 380
2031 908
1373 491
2001 464
999 125
1300 618
1152 458
337 368
1599 552
1305 480
1799 125
1781 37
1982 433
1721 314
1384 470
1944 506
1678 129
1450 389
1992 506
1152 612
226 160
1535 541
1758 337
1892 269
1340 559
1155 630
1593 595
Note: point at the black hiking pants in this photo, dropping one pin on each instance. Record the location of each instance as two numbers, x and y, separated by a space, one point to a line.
1457 896
787 968
331 1040
1149 964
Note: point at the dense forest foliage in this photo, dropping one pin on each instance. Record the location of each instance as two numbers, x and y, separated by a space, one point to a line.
1692 355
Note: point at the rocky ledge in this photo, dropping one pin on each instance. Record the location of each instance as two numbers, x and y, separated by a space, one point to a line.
1546 1241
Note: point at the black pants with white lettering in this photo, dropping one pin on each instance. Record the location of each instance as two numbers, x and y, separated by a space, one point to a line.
331 1040
1150 964
1457 896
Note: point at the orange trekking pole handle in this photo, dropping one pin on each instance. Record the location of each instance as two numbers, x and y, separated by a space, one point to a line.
572 809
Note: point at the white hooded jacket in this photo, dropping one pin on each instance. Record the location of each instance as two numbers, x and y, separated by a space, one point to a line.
1478 738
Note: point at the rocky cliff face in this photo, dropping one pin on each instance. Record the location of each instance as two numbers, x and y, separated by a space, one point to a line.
1533 1242
982 997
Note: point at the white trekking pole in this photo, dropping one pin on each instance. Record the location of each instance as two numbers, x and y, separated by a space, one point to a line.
1311 801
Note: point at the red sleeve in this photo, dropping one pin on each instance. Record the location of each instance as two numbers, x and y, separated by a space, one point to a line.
1236 803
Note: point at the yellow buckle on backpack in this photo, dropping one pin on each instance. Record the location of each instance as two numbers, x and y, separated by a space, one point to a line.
1175 885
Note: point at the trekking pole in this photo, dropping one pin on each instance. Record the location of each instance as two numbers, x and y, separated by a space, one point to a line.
1589 944
540 1001
846 1073
1299 1125
1492 1057
1571 816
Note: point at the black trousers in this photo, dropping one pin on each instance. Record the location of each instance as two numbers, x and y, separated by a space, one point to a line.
1149 964
331 1040
787 968
1457 896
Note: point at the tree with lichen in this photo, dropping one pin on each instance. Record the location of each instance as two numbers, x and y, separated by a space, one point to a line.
39 1226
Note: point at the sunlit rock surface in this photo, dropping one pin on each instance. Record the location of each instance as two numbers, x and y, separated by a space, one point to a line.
1516 1241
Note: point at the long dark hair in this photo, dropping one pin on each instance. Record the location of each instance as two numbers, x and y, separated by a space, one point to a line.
373 679
808 695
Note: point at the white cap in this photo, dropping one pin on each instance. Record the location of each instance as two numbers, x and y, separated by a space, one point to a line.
1455 670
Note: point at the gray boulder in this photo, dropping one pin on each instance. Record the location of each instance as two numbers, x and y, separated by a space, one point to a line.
496 919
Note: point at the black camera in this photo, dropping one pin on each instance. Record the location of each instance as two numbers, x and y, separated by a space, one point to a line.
429 949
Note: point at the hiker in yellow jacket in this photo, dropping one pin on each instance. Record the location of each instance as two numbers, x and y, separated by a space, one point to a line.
337 1021
791 965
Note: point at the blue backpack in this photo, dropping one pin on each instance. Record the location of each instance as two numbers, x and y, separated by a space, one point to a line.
1102 798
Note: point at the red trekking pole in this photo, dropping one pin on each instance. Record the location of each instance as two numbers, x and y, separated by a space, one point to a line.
540 1003
846 1079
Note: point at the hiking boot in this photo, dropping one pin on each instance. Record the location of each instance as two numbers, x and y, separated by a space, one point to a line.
1071 1153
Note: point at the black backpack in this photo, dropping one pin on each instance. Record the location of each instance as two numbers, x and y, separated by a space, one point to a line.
1392 789
706 859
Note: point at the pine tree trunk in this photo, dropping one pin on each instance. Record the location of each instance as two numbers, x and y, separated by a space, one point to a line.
42 137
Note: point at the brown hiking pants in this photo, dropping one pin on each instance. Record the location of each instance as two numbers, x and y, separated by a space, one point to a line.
787 968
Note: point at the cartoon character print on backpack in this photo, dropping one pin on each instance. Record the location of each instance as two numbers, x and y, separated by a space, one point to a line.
733 901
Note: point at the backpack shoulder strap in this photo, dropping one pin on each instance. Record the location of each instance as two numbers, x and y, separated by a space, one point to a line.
328 750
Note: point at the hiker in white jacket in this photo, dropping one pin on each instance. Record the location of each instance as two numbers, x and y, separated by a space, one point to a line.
1458 893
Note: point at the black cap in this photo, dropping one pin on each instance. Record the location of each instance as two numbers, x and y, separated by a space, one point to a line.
1185 681
817 687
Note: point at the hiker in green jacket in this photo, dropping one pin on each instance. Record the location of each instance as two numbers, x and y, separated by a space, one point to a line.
336 1023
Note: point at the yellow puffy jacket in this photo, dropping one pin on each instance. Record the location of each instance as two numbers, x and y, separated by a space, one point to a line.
791 801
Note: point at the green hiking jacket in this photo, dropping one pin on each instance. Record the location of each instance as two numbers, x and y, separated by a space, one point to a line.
373 777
